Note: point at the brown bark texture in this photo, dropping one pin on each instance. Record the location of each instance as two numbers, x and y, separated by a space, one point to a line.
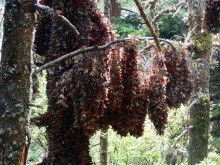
15 80
115 9
104 147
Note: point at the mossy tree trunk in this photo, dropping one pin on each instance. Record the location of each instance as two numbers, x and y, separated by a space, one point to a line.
15 80
199 113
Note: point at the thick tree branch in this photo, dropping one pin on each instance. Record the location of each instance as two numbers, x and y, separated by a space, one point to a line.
79 51
144 16
165 11
55 13
83 50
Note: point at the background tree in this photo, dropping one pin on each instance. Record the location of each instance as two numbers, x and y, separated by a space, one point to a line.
199 113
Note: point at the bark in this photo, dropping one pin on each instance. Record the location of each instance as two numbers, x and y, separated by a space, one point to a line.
215 96
104 131
199 113
115 9
107 8
104 147
15 81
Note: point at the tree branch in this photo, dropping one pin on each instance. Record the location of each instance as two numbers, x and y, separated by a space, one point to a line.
144 16
165 11
83 50
74 53
55 13
148 3
131 11
185 131
35 105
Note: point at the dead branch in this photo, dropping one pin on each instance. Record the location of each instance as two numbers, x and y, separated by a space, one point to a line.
148 24
165 11
35 105
83 50
131 11
55 13
77 52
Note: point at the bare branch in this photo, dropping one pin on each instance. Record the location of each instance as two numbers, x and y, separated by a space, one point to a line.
55 13
191 104
131 11
165 11
68 24
83 50
144 16
35 105
74 53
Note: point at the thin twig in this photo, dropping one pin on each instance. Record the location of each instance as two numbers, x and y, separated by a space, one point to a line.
131 11
165 11
63 19
144 16
35 105
148 3
94 145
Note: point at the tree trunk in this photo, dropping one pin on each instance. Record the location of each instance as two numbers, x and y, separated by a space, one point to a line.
215 96
199 113
107 8
115 9
104 147
15 81
104 131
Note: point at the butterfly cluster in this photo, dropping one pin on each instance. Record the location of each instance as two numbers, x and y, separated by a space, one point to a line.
99 88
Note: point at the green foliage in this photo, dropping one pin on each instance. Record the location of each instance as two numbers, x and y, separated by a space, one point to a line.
216 112
130 25
170 26
148 149
38 146
212 159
